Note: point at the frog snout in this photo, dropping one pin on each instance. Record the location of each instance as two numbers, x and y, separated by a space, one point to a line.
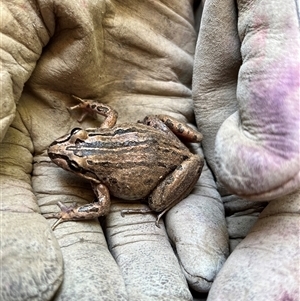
55 152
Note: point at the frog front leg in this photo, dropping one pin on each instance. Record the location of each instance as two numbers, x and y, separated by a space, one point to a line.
88 211
174 188
92 107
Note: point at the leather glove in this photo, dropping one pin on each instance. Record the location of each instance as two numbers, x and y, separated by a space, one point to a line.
138 58
246 92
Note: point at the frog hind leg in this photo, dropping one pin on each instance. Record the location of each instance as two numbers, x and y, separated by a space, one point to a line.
84 212
173 189
176 186
173 127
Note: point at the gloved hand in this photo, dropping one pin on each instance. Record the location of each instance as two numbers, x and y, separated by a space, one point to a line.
137 57
246 92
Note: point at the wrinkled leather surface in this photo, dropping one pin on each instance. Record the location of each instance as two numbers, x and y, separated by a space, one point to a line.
139 58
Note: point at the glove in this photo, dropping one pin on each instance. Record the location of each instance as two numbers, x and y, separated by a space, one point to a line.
137 58
246 92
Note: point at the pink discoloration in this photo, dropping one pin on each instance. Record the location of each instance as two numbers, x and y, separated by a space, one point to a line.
286 297
275 117
257 149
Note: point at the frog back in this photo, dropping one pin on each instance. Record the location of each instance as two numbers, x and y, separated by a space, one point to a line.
131 159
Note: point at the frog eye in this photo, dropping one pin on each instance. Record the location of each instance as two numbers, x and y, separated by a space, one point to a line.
78 134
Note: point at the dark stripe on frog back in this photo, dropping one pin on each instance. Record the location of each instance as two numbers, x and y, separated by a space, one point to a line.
117 142
109 145
113 132
130 165
150 154
141 130
129 135
122 130
103 152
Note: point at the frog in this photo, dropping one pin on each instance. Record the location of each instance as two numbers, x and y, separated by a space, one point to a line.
146 160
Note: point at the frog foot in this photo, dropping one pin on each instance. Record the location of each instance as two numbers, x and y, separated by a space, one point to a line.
92 107
143 211
85 106
66 214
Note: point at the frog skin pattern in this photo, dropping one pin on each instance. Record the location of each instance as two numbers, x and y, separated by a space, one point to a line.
131 161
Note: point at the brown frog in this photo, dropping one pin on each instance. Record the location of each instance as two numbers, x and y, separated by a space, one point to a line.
132 161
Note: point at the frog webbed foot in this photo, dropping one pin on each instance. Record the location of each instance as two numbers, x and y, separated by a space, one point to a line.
66 214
